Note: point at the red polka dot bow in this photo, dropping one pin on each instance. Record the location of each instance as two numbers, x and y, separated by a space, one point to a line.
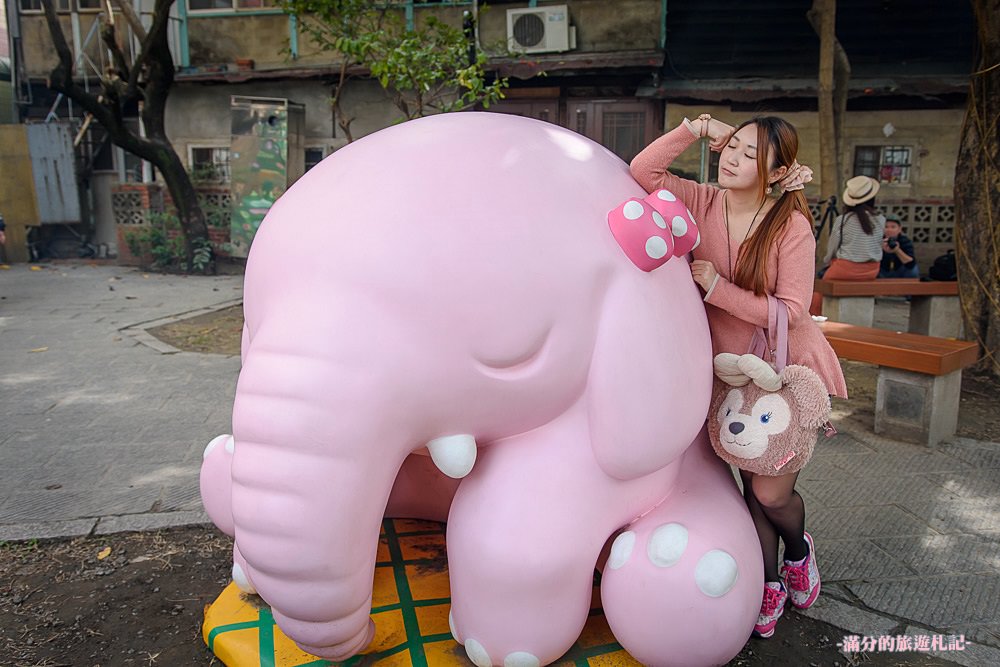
654 229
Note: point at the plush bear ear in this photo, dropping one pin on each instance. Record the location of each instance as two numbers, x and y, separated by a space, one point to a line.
727 370
812 402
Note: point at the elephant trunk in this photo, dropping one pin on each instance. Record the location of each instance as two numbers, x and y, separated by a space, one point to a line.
311 475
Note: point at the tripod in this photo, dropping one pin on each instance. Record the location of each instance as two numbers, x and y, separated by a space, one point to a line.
829 215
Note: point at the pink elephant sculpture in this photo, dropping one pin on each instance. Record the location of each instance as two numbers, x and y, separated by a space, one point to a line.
450 286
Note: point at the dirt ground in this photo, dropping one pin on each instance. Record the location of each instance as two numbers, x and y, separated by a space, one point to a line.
977 412
63 604
138 598
216 333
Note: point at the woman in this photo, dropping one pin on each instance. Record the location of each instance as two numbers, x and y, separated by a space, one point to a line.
854 251
757 240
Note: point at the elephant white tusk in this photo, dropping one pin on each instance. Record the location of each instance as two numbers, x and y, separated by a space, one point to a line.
726 369
761 372
454 455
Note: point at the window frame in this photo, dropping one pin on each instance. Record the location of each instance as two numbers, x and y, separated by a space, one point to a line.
59 9
212 145
326 148
233 9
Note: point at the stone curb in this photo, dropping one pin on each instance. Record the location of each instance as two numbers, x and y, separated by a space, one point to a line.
107 525
139 330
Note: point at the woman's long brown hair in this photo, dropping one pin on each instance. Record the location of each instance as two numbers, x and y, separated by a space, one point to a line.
865 213
777 146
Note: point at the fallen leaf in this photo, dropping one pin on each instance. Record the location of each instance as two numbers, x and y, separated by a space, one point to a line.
103 553
36 268
39 349
5 267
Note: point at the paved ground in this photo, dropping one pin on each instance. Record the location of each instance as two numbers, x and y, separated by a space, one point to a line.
101 432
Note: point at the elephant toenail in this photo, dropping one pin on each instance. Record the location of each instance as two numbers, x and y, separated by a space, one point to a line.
477 654
520 659
667 544
621 549
716 573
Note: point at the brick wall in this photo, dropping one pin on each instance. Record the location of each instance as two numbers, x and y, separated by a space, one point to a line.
138 206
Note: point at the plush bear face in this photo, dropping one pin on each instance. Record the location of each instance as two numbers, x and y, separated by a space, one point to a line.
747 419
764 421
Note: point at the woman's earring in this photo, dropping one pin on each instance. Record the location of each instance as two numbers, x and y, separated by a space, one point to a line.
769 188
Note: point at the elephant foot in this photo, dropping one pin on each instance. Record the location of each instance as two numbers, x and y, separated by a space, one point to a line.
343 650
217 483
682 584
480 657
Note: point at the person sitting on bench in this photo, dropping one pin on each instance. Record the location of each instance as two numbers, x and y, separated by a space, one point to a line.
897 253
855 245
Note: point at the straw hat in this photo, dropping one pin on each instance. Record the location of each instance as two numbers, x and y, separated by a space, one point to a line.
860 189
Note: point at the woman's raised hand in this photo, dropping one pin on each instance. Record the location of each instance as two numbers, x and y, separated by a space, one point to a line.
718 134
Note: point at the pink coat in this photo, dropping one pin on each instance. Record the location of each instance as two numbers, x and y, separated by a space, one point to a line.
733 312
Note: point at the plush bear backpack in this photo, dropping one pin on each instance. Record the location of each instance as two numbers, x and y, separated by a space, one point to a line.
765 418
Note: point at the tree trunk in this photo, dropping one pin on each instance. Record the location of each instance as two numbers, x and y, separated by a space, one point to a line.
834 76
147 81
197 245
343 120
977 193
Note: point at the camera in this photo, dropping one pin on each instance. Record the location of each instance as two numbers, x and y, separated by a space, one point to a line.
892 244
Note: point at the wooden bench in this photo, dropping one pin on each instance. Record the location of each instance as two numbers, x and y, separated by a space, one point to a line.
919 378
934 306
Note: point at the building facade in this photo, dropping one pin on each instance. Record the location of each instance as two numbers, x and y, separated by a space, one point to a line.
618 72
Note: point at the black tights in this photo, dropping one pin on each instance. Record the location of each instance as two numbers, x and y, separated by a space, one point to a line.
777 511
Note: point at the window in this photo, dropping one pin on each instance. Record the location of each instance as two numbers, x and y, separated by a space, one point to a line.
36 5
623 127
132 167
889 164
313 157
713 166
228 5
209 164
104 158
624 132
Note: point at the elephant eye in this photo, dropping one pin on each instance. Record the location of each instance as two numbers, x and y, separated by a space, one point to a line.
765 418
729 411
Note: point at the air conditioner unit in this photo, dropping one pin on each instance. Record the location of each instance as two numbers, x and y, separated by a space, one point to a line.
540 29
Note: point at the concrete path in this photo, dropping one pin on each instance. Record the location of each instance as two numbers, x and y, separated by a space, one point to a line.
103 433
100 432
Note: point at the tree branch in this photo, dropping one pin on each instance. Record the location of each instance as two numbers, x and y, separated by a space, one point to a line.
114 84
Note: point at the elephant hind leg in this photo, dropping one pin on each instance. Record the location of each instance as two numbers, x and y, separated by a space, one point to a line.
682 585
421 491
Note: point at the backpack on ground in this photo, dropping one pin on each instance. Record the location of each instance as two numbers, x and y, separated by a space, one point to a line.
944 267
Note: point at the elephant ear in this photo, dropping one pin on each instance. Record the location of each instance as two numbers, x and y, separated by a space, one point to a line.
650 381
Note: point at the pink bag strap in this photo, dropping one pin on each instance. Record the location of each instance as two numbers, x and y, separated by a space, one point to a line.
774 341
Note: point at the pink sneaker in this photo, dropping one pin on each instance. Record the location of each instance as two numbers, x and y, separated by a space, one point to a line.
802 581
771 609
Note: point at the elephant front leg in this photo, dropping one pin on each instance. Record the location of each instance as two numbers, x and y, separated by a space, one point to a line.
683 584
524 533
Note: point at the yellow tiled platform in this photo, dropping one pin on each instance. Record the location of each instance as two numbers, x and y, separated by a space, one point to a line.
410 606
